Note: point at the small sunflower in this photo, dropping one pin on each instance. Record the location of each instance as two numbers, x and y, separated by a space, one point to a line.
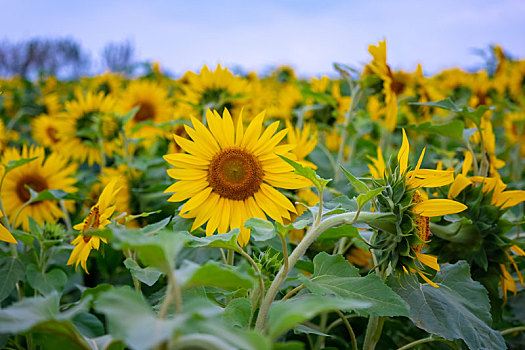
228 174
154 107
46 130
402 196
51 173
97 218
304 142
80 132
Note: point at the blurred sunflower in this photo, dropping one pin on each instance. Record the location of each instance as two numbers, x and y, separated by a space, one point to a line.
304 142
97 218
381 69
155 107
228 174
216 90
51 173
45 130
79 131
402 248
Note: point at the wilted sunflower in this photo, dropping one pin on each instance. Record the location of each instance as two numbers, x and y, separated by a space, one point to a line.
401 249
80 132
97 218
51 173
229 174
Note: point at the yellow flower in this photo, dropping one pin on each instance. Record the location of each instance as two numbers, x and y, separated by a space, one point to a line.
381 68
97 218
228 174
304 143
79 129
154 106
51 173
45 130
421 207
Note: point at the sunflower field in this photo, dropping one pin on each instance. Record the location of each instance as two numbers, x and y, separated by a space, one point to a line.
374 209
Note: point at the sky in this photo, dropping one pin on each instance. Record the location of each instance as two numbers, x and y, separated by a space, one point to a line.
257 35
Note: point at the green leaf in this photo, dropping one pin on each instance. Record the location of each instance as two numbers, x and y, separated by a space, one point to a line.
29 312
89 325
13 164
260 230
452 129
339 232
47 195
93 293
309 173
128 116
53 334
215 274
458 309
12 271
158 250
147 275
284 315
131 319
225 240
237 312
365 197
48 282
333 275
359 185
447 104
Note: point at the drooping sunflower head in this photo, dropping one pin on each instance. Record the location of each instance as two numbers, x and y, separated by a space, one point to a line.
229 174
51 173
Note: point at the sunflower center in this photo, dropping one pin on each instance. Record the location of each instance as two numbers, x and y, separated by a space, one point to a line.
34 182
52 133
145 112
422 223
235 173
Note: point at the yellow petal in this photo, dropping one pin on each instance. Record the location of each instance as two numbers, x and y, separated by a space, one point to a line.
402 156
6 236
428 260
438 207
467 163
459 184
517 250
427 279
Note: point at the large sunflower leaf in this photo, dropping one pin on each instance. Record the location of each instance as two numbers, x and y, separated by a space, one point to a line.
284 315
458 309
334 276
131 319
12 271
226 240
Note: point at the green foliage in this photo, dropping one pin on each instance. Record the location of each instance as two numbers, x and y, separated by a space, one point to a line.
12 271
334 276
458 309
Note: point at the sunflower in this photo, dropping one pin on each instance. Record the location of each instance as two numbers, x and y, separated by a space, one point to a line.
6 136
304 142
381 69
5 235
155 107
97 218
45 130
51 173
480 236
229 174
80 132
403 197
217 89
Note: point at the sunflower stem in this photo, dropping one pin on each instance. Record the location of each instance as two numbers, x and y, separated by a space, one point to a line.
512 330
67 219
311 235
348 328
373 332
259 274
426 340
293 291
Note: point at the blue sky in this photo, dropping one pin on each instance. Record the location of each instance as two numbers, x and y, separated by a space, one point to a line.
309 35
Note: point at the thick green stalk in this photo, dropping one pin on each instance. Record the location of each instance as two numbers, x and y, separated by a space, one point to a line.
311 235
